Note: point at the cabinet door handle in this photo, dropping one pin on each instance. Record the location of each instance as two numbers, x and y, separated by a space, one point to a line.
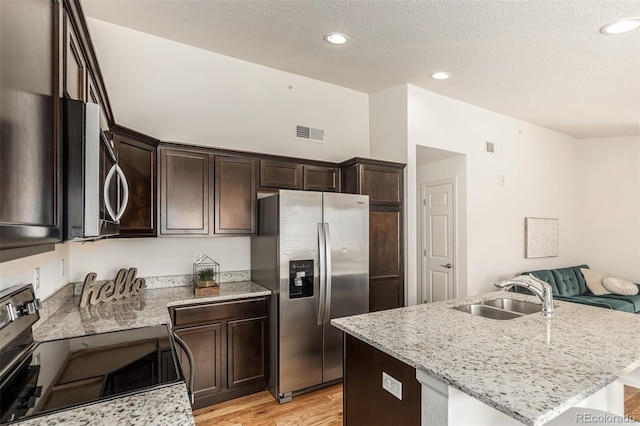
448 266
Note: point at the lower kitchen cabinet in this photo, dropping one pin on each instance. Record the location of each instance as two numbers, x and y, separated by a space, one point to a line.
229 344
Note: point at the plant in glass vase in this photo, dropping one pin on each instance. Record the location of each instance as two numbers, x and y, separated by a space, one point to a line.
206 277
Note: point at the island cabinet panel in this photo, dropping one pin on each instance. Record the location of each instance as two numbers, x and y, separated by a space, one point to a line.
184 193
280 175
383 182
30 147
235 195
318 178
365 402
137 158
205 343
229 343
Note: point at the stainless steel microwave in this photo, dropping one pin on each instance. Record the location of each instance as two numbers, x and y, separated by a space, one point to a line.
95 190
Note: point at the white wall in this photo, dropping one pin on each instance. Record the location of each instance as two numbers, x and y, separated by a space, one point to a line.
21 271
453 168
388 124
177 92
156 256
609 205
541 180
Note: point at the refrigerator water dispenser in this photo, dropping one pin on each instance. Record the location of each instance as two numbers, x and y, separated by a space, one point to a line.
300 278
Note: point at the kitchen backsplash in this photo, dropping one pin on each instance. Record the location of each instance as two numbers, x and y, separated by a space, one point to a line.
178 280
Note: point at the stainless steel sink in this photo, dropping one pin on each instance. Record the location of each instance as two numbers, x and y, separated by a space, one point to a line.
514 305
488 311
500 309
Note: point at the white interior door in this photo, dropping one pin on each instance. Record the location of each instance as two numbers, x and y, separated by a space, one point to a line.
438 228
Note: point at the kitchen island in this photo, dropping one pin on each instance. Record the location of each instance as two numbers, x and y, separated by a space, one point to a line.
529 368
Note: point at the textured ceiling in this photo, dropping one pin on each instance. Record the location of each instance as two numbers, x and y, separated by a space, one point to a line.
544 62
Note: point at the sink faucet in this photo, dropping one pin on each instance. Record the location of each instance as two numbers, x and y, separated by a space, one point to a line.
546 294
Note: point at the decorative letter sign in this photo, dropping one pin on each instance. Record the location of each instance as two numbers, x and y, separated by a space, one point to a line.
126 284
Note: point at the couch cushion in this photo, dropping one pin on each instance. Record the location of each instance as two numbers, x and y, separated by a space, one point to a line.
564 281
594 279
602 302
620 286
633 300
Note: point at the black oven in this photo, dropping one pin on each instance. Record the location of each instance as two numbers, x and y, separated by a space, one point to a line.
41 378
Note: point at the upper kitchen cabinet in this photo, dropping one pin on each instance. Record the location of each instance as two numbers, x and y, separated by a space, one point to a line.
382 181
81 76
137 155
30 156
275 174
185 187
235 195
205 192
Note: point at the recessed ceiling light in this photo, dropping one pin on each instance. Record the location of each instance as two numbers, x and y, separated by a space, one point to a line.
621 26
440 75
336 38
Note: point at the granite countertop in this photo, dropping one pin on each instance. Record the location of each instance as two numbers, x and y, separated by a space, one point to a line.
168 405
138 311
530 368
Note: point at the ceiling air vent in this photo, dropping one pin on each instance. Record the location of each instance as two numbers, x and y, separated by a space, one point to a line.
309 134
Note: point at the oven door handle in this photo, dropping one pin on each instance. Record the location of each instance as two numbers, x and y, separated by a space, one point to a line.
192 373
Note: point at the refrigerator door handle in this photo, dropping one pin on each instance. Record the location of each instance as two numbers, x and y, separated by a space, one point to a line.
327 303
321 268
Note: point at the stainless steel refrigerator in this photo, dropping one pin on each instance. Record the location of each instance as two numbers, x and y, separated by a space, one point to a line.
312 252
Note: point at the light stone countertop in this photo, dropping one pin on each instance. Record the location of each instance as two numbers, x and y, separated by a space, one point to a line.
530 368
148 309
168 405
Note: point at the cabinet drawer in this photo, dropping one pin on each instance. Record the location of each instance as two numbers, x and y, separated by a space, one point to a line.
203 314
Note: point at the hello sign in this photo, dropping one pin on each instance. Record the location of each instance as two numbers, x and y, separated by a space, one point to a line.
125 285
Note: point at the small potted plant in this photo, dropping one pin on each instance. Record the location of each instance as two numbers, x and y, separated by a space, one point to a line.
206 277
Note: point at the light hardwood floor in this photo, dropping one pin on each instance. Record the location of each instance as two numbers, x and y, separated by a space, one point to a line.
320 408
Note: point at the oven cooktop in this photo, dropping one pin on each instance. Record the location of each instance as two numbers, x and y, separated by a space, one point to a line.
65 373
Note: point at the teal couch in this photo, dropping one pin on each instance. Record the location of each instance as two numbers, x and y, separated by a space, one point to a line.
568 284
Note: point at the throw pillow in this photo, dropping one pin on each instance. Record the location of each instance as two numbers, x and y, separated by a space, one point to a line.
594 281
620 286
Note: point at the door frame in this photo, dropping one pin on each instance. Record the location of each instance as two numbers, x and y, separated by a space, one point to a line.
424 231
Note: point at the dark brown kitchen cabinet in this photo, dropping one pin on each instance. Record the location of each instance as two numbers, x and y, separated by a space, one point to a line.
229 343
185 187
383 182
30 145
246 363
205 342
74 62
317 178
280 175
235 195
137 158
297 175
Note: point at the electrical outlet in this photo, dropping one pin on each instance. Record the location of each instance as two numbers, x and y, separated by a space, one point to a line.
62 267
36 278
391 385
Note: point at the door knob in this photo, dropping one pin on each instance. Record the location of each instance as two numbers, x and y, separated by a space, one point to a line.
448 266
